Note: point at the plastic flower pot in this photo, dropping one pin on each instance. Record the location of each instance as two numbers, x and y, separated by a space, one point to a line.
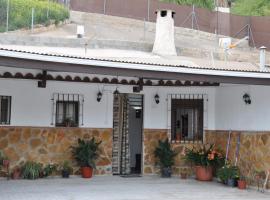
204 173
232 182
87 172
242 184
166 172
65 174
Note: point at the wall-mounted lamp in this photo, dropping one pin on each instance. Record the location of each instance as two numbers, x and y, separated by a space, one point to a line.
99 96
116 92
246 98
157 99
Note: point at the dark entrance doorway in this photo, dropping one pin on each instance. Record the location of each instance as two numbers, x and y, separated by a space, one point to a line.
127 134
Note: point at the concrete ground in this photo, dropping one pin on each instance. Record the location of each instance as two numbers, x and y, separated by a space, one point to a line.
117 188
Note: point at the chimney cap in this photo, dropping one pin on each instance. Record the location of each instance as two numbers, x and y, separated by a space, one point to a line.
263 47
160 10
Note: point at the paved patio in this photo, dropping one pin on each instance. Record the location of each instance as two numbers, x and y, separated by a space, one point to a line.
117 188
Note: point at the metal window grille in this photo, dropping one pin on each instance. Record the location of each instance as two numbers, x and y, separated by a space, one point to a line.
67 110
187 117
5 109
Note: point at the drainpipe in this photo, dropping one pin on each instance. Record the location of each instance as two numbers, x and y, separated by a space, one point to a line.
262 58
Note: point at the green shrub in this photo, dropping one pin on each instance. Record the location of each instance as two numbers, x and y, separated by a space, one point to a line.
31 170
20 13
228 172
49 169
86 152
251 7
165 154
209 4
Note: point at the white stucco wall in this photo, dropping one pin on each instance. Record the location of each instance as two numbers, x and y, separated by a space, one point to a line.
232 113
32 106
225 110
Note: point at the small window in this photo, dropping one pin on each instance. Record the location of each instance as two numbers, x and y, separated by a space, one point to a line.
5 109
67 113
187 120
67 110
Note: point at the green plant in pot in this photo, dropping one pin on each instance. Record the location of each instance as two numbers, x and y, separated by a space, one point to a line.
165 156
86 153
49 169
229 175
31 170
205 158
66 169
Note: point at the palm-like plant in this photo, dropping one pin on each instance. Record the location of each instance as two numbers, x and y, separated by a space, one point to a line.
86 152
165 154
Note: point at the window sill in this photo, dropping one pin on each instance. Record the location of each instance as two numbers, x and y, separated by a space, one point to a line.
186 142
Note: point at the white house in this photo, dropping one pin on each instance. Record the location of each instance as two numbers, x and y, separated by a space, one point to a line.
52 96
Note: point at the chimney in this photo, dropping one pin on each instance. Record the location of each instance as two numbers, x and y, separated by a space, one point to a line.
164 40
262 57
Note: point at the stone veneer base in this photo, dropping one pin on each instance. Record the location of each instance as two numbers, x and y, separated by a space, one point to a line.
52 145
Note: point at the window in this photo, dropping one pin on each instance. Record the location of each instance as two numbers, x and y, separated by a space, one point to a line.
187 120
5 108
67 110
67 113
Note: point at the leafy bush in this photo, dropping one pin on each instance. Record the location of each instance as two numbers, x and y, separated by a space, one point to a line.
209 4
165 154
20 13
31 170
49 169
228 172
251 7
207 155
66 167
86 152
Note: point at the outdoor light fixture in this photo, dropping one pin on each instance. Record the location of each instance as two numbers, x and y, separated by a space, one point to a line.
116 92
246 98
99 96
157 98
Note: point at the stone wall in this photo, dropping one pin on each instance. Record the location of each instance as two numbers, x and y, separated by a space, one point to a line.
150 139
254 153
254 150
52 145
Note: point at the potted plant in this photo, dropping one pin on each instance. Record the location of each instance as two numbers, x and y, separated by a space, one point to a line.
205 159
31 170
86 153
69 122
229 175
242 183
16 174
66 169
165 155
48 170
184 172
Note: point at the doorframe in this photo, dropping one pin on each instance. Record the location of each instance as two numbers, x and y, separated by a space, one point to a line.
142 131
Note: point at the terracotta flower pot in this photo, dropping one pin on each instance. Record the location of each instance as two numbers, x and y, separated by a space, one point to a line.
204 173
87 172
183 175
242 185
6 163
16 174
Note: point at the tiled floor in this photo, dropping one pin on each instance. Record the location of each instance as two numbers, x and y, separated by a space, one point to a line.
117 188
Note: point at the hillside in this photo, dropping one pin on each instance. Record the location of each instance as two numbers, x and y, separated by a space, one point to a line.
20 12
